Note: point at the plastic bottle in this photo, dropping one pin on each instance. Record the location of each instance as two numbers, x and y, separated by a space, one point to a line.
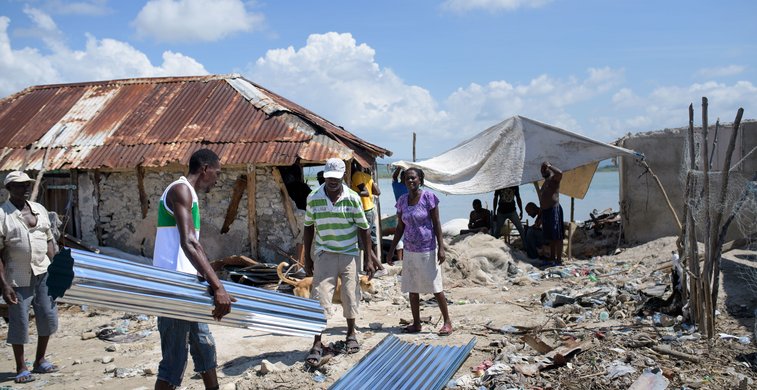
604 316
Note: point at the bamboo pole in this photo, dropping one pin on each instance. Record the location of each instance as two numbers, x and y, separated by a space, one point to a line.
252 226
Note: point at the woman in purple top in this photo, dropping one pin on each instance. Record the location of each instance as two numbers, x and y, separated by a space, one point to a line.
418 221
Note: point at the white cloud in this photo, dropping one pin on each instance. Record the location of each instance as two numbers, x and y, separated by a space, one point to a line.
86 7
667 106
337 78
491 5
722 71
100 59
544 98
195 20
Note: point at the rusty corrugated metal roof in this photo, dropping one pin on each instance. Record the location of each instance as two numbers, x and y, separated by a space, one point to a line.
153 122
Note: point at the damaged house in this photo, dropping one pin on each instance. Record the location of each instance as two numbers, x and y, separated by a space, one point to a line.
108 149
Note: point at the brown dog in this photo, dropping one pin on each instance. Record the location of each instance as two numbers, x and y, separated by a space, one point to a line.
303 287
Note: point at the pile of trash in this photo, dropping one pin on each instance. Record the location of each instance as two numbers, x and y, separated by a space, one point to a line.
602 334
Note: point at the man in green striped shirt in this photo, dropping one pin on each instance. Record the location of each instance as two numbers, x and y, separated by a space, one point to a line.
334 216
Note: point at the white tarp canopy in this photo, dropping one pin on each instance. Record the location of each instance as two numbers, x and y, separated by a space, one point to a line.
511 153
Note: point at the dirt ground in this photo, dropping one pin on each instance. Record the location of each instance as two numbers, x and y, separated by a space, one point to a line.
613 352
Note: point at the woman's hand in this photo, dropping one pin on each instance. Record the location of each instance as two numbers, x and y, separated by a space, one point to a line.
440 255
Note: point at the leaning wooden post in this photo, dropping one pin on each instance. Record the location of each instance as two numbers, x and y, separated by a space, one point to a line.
717 235
287 202
143 201
252 226
664 194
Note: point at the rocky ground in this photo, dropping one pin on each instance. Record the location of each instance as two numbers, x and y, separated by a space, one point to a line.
569 327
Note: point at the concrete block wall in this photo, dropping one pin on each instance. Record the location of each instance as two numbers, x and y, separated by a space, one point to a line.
124 228
645 213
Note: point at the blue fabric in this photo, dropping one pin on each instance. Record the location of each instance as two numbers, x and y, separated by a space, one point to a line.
552 223
399 189
533 240
177 337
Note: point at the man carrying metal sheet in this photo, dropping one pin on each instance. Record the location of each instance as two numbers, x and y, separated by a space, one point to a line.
334 216
177 247
27 246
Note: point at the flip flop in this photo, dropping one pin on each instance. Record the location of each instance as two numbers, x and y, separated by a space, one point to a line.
446 330
24 377
352 345
45 368
412 329
314 357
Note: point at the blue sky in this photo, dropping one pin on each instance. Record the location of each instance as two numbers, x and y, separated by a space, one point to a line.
382 69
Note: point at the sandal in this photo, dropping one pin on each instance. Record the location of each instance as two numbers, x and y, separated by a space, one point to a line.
24 377
412 329
352 345
314 357
446 330
45 368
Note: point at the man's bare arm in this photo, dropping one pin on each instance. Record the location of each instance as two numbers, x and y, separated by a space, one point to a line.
179 199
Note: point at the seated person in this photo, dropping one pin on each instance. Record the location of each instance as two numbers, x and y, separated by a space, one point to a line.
479 220
534 239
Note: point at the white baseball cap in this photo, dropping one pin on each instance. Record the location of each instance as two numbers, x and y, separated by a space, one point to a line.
17 177
334 168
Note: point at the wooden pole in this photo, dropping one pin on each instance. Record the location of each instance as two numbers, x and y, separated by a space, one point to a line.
413 146
143 202
236 197
252 226
287 201
707 275
719 238
692 255
377 214
664 194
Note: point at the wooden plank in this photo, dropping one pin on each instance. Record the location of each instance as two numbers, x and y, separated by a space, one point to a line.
96 211
236 196
252 226
143 202
287 201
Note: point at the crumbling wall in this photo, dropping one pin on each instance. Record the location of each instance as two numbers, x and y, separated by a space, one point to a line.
87 207
124 228
645 213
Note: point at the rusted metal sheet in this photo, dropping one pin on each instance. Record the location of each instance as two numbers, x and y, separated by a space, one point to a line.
153 122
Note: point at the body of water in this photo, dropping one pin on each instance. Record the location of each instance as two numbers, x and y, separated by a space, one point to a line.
603 193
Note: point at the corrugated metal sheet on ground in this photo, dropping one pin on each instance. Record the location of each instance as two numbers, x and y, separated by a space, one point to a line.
397 364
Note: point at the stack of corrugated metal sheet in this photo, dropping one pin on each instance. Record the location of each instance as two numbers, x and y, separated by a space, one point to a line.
117 284
396 364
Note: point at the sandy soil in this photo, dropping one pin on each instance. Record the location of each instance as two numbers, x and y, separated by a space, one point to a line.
513 299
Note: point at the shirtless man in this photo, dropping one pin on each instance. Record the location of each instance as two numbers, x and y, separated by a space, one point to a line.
551 211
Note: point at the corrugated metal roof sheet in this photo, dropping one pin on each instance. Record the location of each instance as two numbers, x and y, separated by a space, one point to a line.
120 124
397 364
